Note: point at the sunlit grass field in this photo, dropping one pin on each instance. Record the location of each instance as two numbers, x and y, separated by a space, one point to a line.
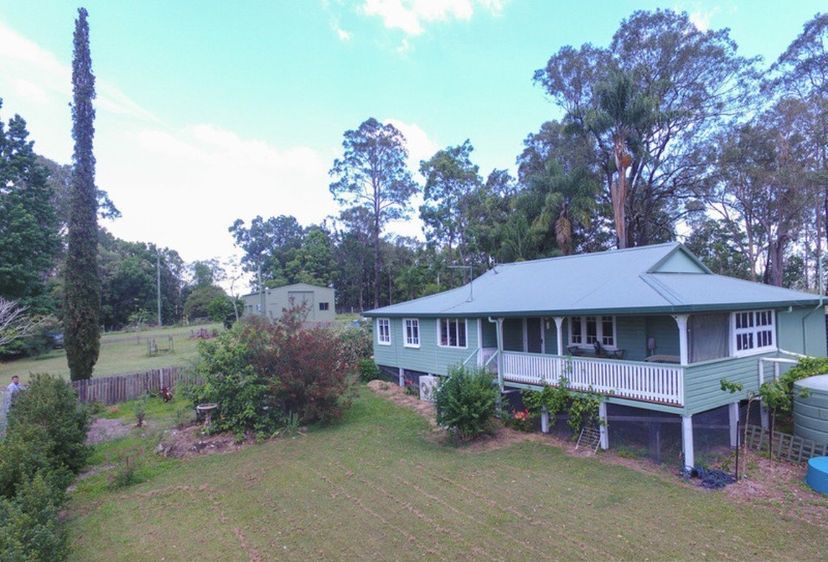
121 352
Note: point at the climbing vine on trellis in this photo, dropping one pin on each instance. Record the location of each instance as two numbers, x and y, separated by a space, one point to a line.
582 406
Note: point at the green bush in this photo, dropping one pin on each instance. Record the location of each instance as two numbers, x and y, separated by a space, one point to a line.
466 402
29 526
368 370
51 404
260 373
25 453
232 383
356 344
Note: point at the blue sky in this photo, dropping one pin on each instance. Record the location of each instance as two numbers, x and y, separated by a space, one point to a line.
210 111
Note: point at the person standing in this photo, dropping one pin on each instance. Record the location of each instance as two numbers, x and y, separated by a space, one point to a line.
13 388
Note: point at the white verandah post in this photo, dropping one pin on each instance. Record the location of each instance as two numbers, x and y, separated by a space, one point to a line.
733 414
604 427
687 441
681 321
559 333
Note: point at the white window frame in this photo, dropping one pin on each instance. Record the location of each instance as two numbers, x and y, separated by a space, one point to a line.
599 332
753 331
440 332
380 339
405 323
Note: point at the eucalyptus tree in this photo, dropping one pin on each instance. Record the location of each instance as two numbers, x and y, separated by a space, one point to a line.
801 73
82 291
373 174
650 103
450 176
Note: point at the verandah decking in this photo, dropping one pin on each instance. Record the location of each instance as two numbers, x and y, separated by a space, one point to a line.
651 382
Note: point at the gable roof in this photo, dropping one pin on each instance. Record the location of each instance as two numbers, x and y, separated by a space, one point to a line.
662 278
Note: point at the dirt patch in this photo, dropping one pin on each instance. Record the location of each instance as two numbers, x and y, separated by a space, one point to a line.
780 486
103 429
397 395
777 485
191 442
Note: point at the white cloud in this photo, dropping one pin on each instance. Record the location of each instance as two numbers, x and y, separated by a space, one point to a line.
179 186
420 147
701 19
343 34
411 16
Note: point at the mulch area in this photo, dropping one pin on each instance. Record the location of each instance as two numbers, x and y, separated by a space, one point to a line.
778 485
192 442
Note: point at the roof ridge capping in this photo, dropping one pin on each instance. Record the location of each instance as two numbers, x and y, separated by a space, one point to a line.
602 252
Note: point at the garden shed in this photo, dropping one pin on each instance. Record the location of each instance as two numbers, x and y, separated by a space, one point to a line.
319 301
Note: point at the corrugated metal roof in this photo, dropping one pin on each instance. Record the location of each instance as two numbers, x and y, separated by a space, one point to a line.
631 280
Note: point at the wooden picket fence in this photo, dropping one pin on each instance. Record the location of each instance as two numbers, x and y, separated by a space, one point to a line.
120 388
785 446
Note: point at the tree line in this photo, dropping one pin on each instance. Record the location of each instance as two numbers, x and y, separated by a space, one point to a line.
666 133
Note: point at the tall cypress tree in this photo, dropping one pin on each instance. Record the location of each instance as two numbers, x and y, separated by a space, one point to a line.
83 286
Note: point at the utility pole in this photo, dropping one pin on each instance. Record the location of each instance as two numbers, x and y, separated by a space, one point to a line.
158 283
261 292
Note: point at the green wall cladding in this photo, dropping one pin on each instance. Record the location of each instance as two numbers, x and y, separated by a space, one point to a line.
701 382
429 357
790 335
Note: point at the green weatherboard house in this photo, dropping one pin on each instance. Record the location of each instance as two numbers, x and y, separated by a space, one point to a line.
650 328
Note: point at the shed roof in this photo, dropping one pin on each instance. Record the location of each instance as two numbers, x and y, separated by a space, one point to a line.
648 279
293 287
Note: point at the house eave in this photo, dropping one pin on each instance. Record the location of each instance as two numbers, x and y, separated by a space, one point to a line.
653 310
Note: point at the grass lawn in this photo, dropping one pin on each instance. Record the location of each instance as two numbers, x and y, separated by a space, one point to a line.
121 352
375 487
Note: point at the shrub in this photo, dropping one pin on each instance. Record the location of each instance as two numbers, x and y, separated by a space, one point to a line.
50 403
308 371
124 473
367 370
466 402
29 526
232 383
260 373
356 344
25 453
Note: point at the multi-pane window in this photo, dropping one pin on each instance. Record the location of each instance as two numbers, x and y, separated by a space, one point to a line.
324 306
753 331
452 332
411 329
575 335
607 331
589 330
384 331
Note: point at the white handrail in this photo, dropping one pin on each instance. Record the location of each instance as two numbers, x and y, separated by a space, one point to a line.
470 357
653 382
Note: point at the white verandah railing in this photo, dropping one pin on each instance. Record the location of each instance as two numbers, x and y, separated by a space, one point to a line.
652 382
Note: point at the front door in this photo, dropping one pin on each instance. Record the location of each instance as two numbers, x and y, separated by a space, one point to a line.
534 337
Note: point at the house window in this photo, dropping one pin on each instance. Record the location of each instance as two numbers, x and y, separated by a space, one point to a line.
587 330
575 336
384 331
753 331
452 332
323 306
411 332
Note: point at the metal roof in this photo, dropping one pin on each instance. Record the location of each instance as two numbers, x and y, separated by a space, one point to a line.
648 279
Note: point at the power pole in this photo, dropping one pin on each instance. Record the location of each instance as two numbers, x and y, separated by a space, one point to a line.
158 283
262 302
